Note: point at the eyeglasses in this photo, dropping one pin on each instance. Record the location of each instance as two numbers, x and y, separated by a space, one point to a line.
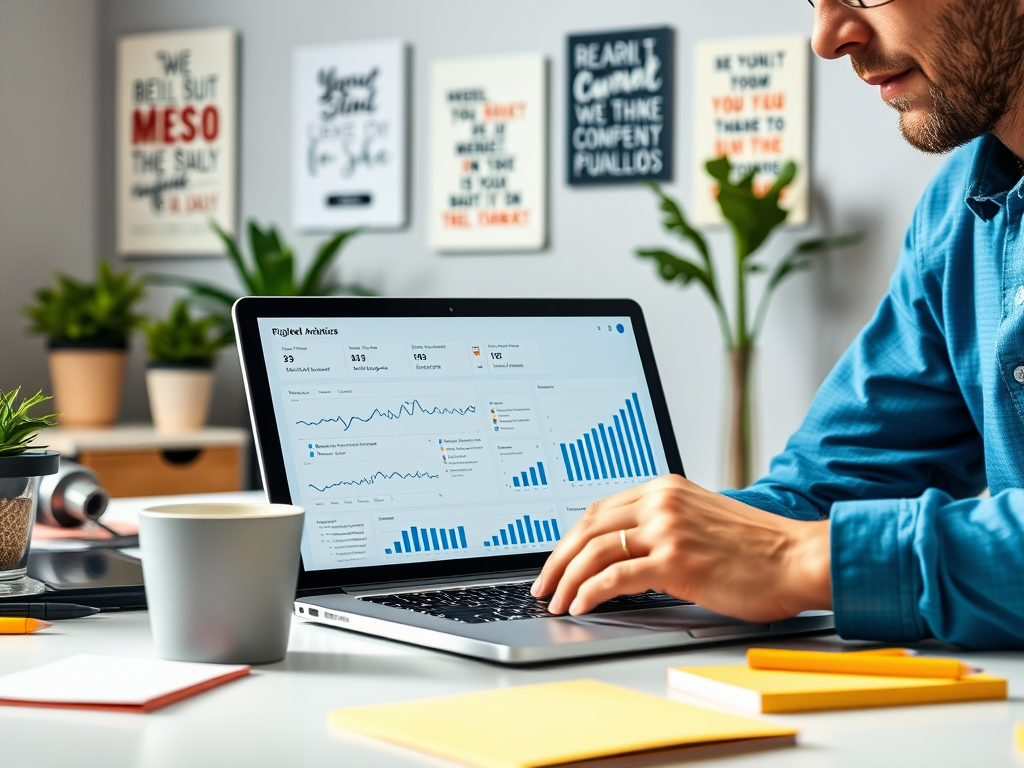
858 3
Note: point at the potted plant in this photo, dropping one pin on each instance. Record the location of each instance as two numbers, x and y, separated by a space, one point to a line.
752 218
87 325
179 376
20 470
269 272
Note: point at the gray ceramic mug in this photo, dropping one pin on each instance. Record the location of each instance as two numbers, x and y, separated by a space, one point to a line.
220 579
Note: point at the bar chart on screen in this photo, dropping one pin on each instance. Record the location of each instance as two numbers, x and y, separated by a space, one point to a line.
600 436
525 531
428 539
522 465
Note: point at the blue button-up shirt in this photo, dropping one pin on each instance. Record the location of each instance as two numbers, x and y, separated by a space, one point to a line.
922 412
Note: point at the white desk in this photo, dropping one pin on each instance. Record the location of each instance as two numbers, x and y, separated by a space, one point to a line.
277 716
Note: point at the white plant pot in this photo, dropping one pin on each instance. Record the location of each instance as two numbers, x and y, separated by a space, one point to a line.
179 396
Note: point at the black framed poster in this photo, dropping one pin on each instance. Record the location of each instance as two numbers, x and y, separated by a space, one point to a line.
620 106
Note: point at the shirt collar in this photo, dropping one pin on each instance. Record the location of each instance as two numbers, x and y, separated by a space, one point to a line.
994 175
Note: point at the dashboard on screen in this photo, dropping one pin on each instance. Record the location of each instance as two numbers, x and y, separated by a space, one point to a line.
417 439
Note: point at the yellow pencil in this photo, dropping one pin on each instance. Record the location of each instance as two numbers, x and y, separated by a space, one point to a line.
17 625
857 664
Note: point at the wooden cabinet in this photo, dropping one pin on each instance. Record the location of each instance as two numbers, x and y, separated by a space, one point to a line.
132 460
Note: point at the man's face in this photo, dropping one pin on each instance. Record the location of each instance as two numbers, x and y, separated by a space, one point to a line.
953 69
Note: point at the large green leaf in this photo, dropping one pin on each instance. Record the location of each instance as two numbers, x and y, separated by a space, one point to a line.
325 255
673 268
197 288
675 222
235 254
751 217
277 273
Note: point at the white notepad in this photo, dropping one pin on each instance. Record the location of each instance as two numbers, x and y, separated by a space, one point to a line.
112 683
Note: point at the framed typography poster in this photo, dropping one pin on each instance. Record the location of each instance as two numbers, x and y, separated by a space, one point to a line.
488 154
349 104
620 99
751 105
176 141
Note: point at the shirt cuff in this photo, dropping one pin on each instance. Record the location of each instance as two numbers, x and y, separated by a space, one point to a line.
874 582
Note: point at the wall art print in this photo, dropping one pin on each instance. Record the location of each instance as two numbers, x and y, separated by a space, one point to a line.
488 154
349 135
620 99
751 104
176 141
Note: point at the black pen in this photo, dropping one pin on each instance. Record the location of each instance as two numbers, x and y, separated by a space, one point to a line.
46 611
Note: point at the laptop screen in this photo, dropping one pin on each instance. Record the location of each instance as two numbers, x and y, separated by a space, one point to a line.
418 439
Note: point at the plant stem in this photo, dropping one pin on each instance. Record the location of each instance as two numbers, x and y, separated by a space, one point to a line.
742 338
740 419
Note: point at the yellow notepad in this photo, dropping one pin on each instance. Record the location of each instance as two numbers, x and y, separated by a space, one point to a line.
555 724
760 690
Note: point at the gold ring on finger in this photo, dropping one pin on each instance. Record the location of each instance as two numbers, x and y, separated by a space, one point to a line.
625 546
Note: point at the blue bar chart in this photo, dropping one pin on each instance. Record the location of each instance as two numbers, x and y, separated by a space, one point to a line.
534 476
416 539
619 447
526 530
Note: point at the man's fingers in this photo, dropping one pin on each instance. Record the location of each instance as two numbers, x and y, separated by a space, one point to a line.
619 511
598 554
626 577
611 517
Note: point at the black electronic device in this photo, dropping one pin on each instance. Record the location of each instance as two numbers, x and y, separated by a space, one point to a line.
101 578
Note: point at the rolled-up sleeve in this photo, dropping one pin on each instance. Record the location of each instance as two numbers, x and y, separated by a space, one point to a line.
891 453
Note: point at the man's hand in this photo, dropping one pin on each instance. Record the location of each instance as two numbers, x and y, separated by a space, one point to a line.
693 544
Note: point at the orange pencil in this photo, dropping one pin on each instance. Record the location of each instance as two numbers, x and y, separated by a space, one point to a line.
857 664
17 625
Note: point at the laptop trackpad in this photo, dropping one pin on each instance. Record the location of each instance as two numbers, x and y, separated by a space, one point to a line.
703 624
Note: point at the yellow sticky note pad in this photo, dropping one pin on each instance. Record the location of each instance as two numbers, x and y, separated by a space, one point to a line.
1018 736
555 723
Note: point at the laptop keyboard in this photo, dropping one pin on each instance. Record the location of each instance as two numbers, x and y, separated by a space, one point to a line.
505 602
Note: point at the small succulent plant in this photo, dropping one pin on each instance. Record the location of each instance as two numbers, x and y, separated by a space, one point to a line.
17 427
81 311
182 339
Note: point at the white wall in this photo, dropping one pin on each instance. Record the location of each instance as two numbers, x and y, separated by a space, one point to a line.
864 177
48 169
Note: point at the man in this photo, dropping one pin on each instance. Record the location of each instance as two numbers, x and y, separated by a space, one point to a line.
872 510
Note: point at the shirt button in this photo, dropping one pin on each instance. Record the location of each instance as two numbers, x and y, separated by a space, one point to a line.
1019 298
1018 374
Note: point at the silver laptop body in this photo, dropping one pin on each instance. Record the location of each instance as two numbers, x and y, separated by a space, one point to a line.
440 446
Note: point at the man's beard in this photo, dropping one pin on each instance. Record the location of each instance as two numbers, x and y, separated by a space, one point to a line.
979 75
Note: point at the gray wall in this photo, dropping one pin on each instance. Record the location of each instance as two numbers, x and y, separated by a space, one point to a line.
864 177
48 170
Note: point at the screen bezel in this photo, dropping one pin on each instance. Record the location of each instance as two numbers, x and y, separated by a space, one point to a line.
247 311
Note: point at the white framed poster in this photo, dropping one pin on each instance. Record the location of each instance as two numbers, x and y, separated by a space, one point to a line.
488 154
349 104
752 105
176 137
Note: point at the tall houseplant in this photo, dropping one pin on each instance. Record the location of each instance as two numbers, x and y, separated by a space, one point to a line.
751 218
20 470
87 325
271 271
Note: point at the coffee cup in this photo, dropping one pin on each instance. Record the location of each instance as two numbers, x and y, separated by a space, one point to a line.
220 579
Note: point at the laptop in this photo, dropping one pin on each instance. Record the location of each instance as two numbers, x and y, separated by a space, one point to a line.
441 449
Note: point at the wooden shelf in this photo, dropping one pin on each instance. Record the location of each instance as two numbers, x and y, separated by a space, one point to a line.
137 460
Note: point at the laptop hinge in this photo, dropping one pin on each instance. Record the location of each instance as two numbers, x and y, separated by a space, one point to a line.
464 580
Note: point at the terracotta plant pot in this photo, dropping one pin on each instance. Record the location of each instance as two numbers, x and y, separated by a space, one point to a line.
179 396
87 380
